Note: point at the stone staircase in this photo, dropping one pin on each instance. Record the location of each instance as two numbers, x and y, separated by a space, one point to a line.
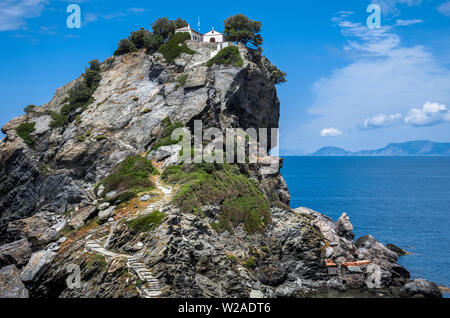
150 288
157 205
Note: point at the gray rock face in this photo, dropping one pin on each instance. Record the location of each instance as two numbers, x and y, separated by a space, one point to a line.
37 265
422 287
81 215
10 284
344 227
42 184
36 229
104 215
16 253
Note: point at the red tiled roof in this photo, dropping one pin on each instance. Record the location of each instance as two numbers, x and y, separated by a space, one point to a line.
329 263
357 263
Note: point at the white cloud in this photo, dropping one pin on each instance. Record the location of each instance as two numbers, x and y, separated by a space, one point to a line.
383 77
382 120
93 17
444 9
430 114
390 6
14 13
330 132
408 22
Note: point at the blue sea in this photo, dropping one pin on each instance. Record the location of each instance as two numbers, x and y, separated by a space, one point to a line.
399 200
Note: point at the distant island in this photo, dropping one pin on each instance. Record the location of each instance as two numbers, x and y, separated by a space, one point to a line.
410 148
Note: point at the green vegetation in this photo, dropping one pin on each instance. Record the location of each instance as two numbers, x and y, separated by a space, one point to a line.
205 184
239 28
277 76
139 283
80 95
24 130
182 80
29 109
129 178
97 262
163 30
250 263
125 46
146 223
166 136
100 137
227 56
173 48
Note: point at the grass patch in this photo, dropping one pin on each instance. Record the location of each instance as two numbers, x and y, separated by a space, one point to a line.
129 178
146 223
166 136
173 48
227 56
206 184
24 130
181 80
97 261
250 263
100 137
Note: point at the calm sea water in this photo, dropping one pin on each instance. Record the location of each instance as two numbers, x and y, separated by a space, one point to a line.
400 200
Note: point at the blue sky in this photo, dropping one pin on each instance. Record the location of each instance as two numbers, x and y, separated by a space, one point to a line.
348 86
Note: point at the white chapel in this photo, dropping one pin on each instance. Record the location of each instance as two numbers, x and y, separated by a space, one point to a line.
212 36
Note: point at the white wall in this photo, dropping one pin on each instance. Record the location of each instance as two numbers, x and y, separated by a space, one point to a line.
218 37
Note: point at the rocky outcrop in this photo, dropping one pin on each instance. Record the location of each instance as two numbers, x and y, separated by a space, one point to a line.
422 288
37 265
50 197
10 284
17 253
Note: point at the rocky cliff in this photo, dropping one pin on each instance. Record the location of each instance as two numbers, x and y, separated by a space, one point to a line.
103 194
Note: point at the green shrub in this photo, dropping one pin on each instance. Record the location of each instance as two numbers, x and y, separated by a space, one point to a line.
24 130
80 95
155 42
131 175
125 46
146 223
182 80
140 38
100 137
29 109
92 75
166 136
277 76
227 56
222 184
250 263
165 28
173 48
58 120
